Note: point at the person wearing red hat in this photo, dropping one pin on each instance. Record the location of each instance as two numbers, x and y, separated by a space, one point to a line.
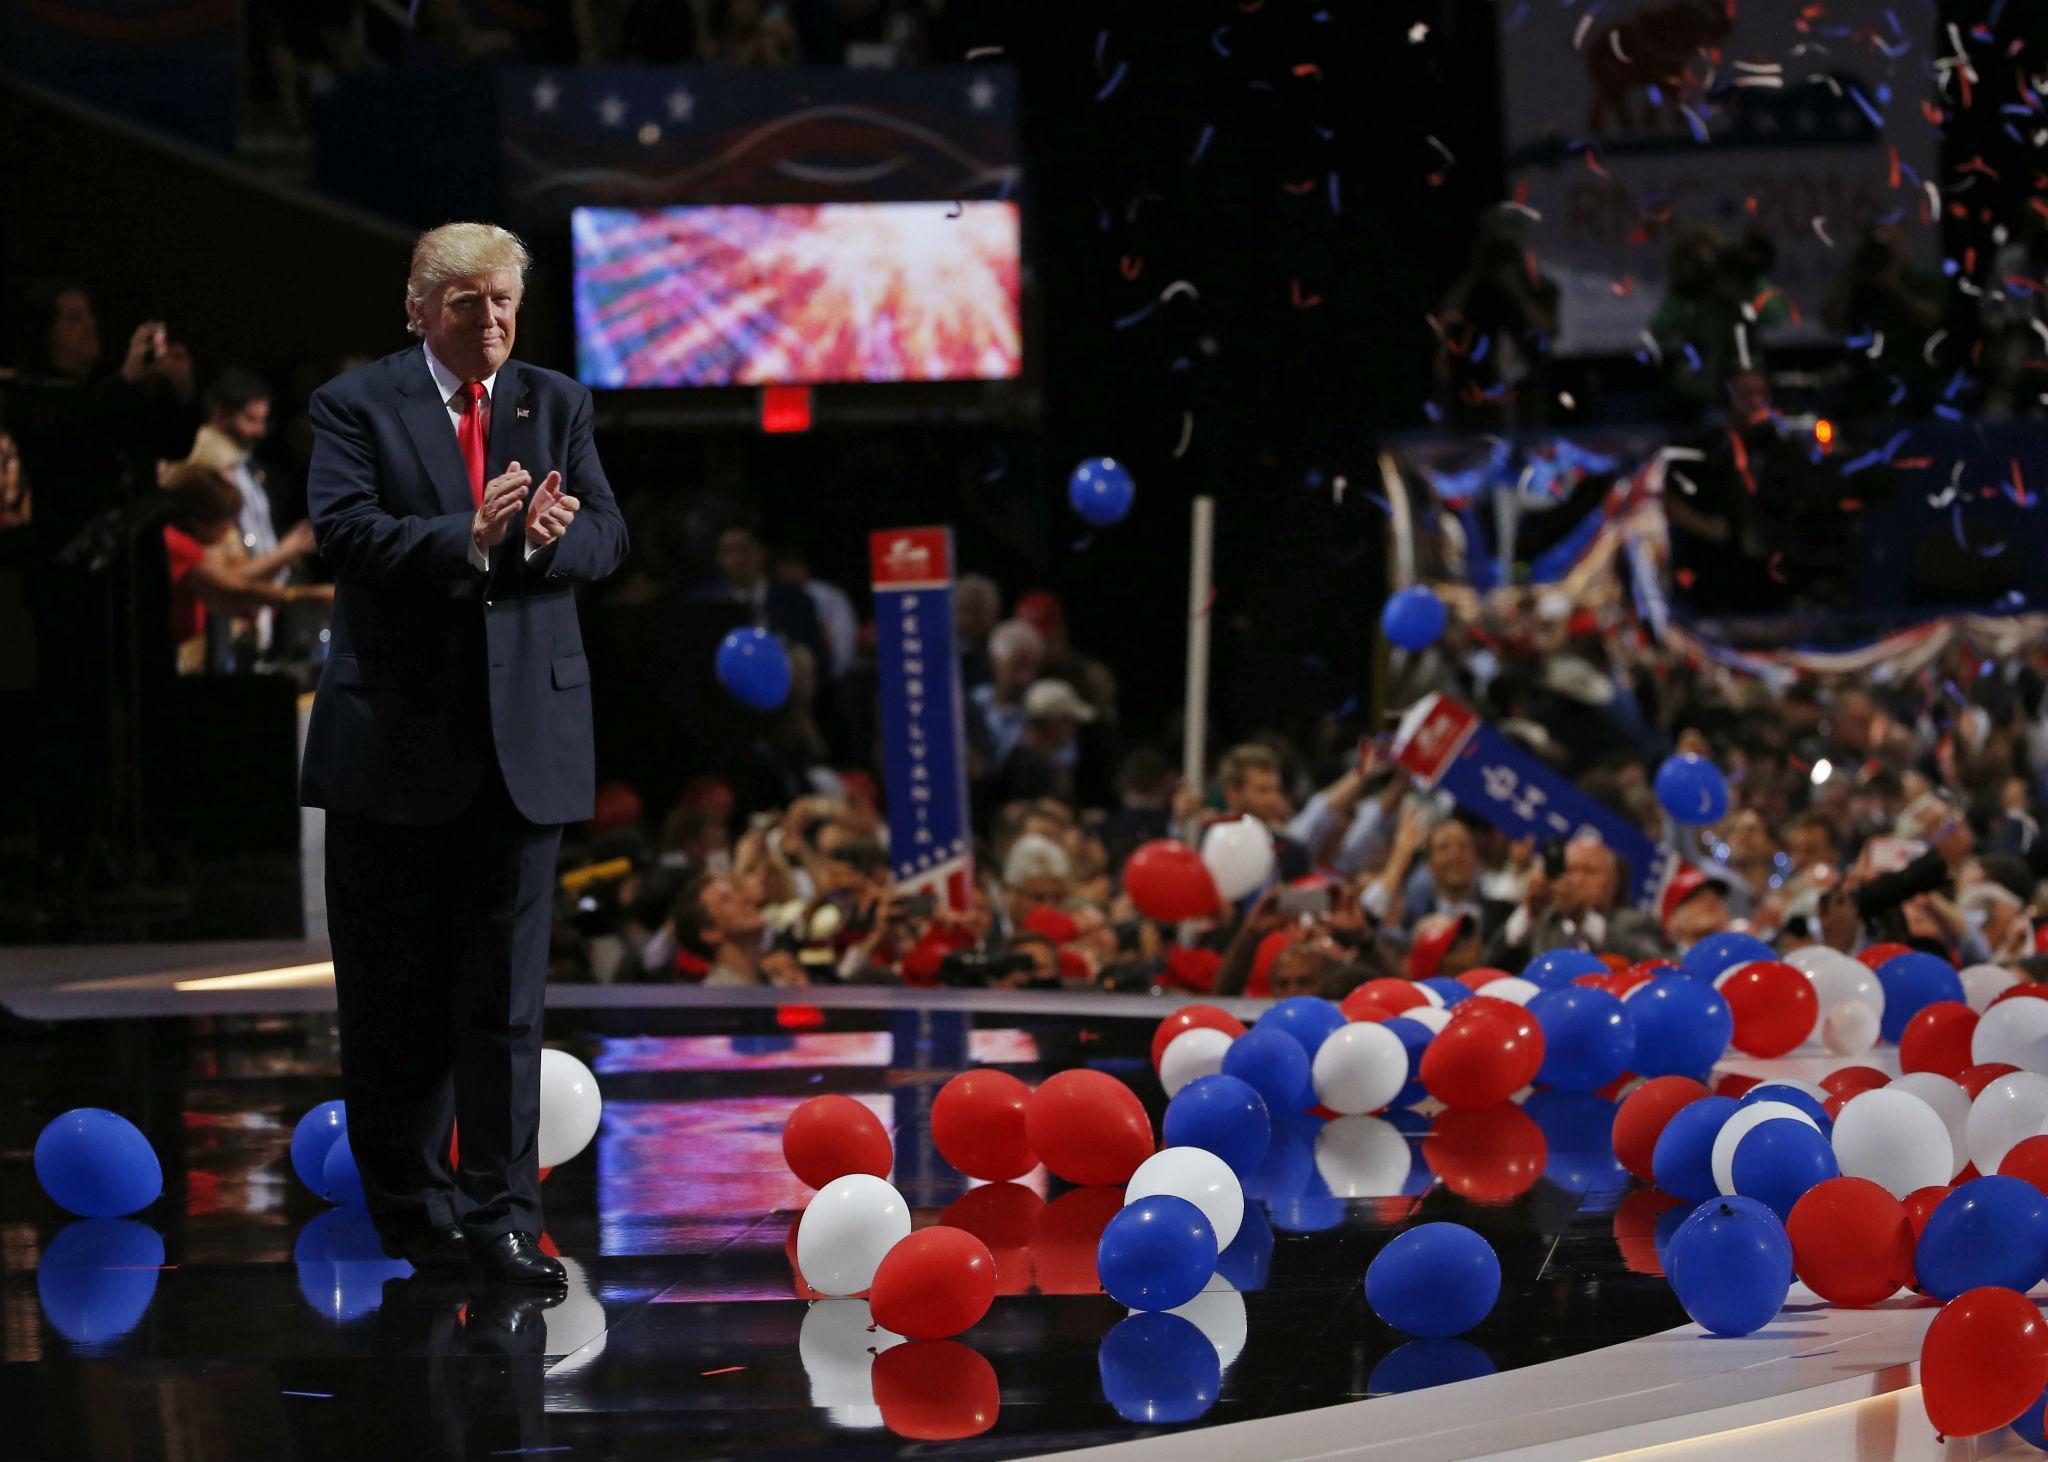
1691 907
1444 944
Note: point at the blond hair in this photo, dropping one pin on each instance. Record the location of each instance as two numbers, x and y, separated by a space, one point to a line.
457 250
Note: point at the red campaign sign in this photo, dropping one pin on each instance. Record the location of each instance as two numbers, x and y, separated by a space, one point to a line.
1432 734
910 558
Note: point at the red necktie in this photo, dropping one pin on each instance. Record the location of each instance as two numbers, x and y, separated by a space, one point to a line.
473 436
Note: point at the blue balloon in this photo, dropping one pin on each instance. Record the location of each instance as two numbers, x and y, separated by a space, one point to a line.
1101 490
1778 1161
312 1138
97 1278
1415 1038
1452 990
1250 1255
1435 1280
340 1182
1682 1027
1289 1164
1158 1369
342 1265
1718 952
1310 1020
1988 1231
1555 969
1588 1038
1731 1266
1912 982
1276 1067
753 665
97 1164
1156 1253
1683 1159
1669 1222
1414 619
1223 1115
1806 1101
1421 1364
1692 789
2031 1426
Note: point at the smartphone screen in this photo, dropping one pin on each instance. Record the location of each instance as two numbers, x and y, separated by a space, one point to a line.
1304 900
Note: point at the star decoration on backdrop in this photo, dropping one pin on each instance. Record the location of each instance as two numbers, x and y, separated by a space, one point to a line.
545 94
611 111
681 105
981 94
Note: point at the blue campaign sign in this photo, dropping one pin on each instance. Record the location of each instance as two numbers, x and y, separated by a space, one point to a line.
1446 745
924 741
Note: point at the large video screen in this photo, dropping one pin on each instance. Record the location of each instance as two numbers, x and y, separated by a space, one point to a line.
796 294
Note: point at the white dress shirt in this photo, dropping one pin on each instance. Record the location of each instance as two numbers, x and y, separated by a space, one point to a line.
450 386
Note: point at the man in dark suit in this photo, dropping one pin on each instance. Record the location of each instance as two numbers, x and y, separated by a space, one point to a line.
449 742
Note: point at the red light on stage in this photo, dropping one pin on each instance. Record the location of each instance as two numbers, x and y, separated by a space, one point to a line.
799 1017
1824 432
785 408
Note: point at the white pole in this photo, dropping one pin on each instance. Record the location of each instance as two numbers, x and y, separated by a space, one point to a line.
1201 556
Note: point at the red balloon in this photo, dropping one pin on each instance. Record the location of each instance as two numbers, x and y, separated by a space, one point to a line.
1877 954
1642 1117
830 1136
1169 882
1361 1007
2028 1161
1088 1127
1484 1056
1773 1004
1002 1216
1066 1236
1975 1078
936 1391
1192 1017
1396 995
1852 1242
1491 1155
933 1283
978 1126
1984 1361
1938 1039
2021 992
1921 1203
1475 979
1849 1080
1734 1084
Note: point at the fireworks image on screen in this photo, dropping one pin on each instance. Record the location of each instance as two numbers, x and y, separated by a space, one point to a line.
799 293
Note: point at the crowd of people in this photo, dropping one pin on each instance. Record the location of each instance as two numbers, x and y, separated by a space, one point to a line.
1866 809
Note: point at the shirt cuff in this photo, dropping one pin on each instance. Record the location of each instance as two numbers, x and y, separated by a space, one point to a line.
480 557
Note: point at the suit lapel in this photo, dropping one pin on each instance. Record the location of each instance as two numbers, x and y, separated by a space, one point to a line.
512 440
433 435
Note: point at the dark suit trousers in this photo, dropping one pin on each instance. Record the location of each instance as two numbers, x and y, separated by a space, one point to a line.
440 939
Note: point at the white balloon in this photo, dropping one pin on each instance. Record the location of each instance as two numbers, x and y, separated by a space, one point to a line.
2007 1111
1737 1127
1838 979
1191 1054
1239 854
1362 1157
841 1238
1722 978
575 1328
570 1107
1895 1140
1950 1102
1851 1029
1512 988
1359 1068
1433 1016
1199 1176
838 1345
2015 1032
1218 1312
1983 983
1434 997
1813 1089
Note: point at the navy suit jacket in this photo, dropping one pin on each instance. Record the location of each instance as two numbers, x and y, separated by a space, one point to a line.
435 666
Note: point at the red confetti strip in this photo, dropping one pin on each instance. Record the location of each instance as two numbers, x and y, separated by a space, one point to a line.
1302 301
1893 149
722 1371
2019 486
1593 164
1129 267
1207 605
1301 187
1309 68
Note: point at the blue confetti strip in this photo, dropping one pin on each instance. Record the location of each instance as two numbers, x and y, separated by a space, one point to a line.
1115 80
1216 42
1856 95
1336 204
1202 142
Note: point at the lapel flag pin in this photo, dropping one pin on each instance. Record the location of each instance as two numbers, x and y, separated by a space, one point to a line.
524 411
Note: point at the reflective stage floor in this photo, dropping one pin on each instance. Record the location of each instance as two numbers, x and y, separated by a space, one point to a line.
241 1317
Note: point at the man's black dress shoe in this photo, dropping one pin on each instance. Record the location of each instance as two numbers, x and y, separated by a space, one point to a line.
439 1251
510 1322
516 1258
